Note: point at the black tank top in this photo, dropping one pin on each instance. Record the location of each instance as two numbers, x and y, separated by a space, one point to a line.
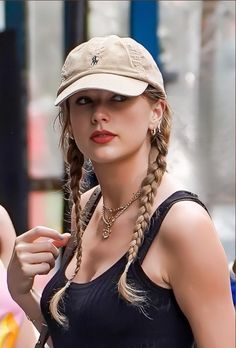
100 318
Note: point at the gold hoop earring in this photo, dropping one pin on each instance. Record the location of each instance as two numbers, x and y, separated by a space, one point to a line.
153 132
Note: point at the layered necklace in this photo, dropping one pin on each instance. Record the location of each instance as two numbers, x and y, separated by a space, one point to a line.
110 215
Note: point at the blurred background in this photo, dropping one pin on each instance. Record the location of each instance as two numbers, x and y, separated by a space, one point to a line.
194 45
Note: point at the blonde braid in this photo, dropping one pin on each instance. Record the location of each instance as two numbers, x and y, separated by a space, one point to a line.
75 160
148 192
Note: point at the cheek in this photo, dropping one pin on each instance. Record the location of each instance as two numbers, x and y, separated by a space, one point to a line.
80 132
135 133
138 124
78 124
82 143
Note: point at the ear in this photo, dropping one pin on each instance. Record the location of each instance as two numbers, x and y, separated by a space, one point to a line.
157 112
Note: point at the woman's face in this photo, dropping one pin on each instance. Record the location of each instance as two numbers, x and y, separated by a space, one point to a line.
108 127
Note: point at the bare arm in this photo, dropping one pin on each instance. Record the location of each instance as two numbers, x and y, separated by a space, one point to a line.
33 256
198 273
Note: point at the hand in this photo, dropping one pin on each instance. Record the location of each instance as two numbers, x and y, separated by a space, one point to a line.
34 254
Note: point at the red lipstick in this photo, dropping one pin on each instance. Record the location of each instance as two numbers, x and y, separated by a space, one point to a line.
102 136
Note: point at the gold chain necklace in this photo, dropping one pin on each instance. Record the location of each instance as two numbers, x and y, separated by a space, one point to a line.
114 214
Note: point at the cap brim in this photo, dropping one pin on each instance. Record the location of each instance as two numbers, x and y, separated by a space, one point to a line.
109 82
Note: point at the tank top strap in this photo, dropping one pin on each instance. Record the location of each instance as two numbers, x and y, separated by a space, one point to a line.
159 215
87 213
90 206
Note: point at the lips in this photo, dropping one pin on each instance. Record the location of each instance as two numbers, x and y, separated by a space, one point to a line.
102 137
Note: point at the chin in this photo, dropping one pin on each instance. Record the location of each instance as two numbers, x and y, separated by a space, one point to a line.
103 160
104 157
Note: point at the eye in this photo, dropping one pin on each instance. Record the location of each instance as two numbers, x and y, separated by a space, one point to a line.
83 100
119 97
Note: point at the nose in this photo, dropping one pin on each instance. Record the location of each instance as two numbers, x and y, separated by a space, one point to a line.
100 114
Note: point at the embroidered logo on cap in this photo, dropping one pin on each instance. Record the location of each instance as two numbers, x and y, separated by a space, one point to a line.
94 60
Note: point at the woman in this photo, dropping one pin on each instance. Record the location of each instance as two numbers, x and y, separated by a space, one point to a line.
143 271
15 330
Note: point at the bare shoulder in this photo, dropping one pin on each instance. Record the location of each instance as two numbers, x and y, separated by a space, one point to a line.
194 251
191 242
187 230
187 222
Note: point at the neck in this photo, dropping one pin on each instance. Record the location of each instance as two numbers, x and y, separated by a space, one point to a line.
119 181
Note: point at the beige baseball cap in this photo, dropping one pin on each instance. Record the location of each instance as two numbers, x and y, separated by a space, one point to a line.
119 65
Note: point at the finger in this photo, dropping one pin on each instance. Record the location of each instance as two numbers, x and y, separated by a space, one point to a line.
37 247
38 232
60 243
38 258
36 269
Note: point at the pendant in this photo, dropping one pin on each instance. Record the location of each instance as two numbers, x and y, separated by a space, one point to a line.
106 232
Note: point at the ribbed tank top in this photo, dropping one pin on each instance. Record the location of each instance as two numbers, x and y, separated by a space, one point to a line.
100 318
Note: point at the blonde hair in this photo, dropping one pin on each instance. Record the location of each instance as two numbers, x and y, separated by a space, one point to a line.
156 169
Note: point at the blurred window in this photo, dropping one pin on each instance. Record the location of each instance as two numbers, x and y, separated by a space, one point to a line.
45 54
2 16
108 17
198 47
